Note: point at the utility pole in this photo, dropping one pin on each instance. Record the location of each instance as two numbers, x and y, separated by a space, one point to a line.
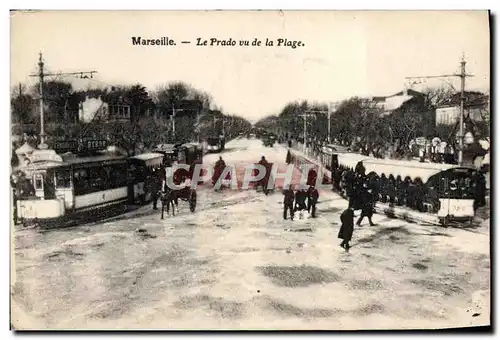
331 107
173 122
21 109
198 125
462 75
41 76
305 115
462 100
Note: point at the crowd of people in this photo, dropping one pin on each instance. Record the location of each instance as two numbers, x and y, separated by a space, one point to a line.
295 201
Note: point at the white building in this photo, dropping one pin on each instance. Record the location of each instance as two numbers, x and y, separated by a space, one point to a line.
96 106
390 103
450 115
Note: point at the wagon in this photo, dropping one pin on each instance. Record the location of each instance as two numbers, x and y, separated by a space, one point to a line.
269 141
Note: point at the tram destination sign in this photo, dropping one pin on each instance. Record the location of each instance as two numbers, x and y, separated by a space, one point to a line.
92 145
62 146
80 146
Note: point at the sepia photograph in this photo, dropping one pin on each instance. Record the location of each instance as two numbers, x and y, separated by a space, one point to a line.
250 170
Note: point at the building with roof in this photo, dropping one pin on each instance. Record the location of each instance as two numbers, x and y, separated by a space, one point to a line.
476 108
97 108
388 104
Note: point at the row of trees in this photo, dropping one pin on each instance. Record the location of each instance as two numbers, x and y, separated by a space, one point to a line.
361 123
196 115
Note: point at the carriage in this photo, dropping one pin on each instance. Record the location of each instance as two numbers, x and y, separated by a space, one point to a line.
269 140
142 171
190 154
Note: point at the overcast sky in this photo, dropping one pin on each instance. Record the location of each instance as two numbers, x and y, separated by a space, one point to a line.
345 54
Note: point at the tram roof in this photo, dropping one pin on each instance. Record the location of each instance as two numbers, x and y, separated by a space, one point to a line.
405 169
70 159
92 159
196 145
147 156
351 159
167 148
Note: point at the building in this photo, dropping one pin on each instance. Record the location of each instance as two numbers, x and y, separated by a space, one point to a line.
389 104
476 109
96 108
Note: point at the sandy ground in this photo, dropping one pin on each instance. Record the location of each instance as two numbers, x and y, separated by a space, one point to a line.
235 264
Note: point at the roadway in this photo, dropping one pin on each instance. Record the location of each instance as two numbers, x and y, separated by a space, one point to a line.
236 264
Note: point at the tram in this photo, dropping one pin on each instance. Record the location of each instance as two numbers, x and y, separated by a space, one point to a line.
68 185
446 190
450 192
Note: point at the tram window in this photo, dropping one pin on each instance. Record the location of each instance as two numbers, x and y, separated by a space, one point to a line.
118 176
96 180
38 182
63 179
81 181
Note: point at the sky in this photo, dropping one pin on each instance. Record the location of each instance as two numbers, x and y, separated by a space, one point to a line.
345 54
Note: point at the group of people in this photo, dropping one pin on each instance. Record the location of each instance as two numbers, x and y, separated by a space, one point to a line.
361 197
296 201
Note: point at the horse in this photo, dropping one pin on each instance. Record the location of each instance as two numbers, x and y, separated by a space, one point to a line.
168 197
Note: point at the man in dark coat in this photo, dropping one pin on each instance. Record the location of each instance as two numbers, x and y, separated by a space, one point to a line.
220 164
263 161
300 200
288 157
312 177
367 201
15 193
288 202
347 227
480 190
156 187
312 199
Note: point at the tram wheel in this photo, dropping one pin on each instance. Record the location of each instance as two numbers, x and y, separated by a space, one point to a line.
445 222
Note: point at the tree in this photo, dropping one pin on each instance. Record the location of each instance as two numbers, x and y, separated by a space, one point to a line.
139 100
22 106
56 95
168 97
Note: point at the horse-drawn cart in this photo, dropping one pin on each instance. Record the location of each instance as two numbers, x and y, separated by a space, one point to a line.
192 155
170 196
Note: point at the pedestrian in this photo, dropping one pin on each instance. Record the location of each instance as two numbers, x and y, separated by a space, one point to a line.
312 176
15 194
300 200
312 199
155 188
346 228
288 157
366 207
288 202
